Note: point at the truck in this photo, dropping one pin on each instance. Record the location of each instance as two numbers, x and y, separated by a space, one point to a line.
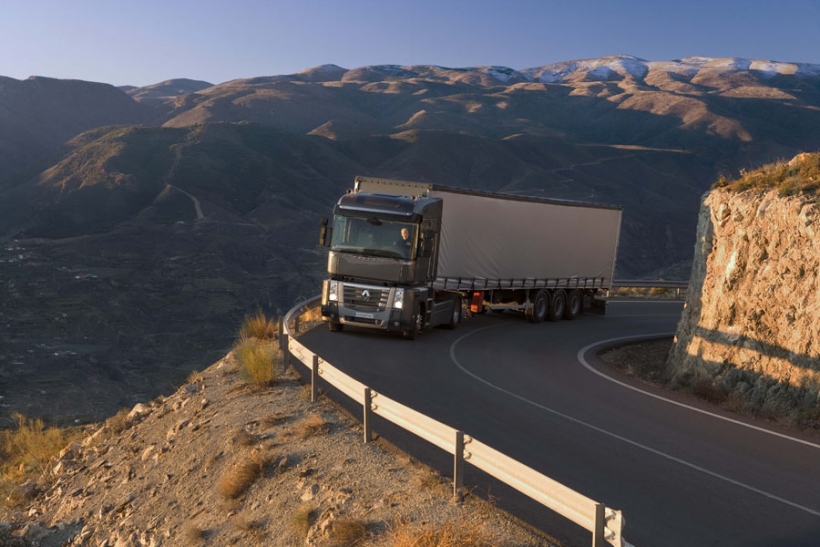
408 256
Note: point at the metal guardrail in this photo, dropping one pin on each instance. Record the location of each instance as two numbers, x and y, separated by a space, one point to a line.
606 524
650 284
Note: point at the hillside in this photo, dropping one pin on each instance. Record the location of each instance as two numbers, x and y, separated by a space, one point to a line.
128 251
39 114
223 462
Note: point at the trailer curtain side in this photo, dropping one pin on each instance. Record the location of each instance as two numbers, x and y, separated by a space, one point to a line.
496 239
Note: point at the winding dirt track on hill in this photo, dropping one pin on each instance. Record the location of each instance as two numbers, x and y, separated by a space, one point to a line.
170 176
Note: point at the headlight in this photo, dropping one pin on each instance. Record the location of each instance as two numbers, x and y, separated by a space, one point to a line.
398 299
331 292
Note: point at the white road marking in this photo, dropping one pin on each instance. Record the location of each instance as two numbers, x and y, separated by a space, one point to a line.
582 352
619 437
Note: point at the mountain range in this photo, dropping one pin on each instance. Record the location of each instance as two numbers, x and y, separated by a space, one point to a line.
144 216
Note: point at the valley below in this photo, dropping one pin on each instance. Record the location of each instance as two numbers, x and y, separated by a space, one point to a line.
97 323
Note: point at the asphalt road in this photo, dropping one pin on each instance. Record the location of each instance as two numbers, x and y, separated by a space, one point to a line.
683 474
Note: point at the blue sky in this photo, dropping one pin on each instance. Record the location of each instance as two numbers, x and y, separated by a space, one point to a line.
140 43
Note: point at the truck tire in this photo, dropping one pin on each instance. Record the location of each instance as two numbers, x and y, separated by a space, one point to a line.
575 304
540 307
335 327
559 304
418 324
455 316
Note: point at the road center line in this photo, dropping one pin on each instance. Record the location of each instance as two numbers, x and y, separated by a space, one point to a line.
618 437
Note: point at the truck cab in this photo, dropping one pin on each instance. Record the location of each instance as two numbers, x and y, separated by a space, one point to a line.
382 263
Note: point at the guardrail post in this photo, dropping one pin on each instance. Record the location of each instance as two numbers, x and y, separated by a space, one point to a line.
598 539
314 379
367 420
283 347
296 325
458 465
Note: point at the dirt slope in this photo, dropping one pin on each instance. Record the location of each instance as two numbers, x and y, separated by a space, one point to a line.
221 462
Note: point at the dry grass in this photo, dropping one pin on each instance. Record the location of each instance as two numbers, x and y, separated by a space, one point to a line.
426 479
455 533
798 176
240 477
195 377
272 420
311 426
253 528
302 519
257 359
243 437
644 292
26 451
348 532
259 327
119 422
309 319
193 535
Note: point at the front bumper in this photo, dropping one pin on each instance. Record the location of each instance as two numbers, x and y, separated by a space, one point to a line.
390 319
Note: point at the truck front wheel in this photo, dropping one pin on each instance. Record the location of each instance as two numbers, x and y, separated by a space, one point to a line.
455 315
335 327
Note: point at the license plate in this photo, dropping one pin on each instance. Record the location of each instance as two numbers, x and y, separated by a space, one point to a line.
364 315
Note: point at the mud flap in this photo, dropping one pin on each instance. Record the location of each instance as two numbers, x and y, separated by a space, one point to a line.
598 306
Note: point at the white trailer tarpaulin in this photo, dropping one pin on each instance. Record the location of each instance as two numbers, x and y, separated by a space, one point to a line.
488 237
497 241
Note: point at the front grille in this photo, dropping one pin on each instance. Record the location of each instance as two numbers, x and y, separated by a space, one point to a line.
355 298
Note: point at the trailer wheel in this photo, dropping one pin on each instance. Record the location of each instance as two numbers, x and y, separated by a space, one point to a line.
418 324
559 304
575 304
455 317
335 327
540 307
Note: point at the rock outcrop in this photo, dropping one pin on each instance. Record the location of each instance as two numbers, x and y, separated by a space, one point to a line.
749 332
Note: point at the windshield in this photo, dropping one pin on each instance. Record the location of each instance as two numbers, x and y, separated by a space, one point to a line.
373 237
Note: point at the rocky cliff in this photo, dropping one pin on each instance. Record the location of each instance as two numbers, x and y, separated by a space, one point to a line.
749 331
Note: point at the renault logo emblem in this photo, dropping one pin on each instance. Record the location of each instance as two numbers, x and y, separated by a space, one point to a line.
365 295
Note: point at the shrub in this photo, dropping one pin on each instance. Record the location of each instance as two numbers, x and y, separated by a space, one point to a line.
240 477
193 535
311 426
257 359
27 450
259 327
302 519
348 532
119 422
801 175
450 534
254 528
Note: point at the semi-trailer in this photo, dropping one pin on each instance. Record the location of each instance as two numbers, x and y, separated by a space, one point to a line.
404 256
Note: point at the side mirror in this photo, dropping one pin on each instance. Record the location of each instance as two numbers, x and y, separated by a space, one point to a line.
426 246
324 233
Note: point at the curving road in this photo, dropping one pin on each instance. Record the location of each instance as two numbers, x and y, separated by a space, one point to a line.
684 473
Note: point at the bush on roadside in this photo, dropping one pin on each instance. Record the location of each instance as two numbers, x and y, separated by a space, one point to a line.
258 360
259 326
26 450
